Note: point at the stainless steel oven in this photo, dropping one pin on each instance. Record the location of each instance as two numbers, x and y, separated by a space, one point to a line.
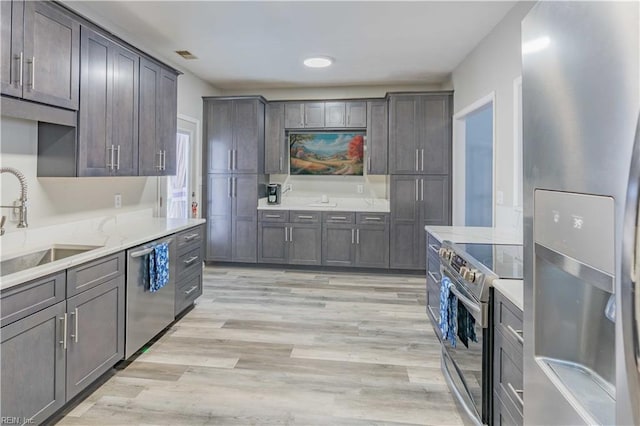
472 268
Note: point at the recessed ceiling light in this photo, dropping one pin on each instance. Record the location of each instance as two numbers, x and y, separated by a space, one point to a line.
318 62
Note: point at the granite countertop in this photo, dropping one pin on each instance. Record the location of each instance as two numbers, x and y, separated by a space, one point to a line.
513 290
373 205
475 234
111 233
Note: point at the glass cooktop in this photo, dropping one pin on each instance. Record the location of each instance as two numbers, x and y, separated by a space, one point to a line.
503 259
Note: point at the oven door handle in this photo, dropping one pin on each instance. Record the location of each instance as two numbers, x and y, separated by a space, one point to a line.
474 308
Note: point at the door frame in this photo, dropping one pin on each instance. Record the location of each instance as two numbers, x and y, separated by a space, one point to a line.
459 160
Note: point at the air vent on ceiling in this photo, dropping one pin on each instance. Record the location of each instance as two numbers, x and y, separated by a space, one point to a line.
186 54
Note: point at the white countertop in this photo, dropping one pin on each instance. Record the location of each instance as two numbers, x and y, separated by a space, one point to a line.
475 234
512 290
377 205
111 233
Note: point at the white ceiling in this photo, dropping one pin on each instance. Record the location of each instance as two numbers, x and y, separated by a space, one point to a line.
248 45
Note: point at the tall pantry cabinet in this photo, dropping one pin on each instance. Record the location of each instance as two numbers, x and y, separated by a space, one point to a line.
234 162
420 167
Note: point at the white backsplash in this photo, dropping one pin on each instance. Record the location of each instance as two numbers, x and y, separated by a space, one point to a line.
334 186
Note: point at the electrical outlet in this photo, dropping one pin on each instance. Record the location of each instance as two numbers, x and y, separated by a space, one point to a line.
117 200
499 198
360 188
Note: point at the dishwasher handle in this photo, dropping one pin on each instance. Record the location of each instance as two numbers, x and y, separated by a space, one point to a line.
146 251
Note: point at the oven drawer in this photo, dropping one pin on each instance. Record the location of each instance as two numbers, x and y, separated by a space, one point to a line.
508 320
507 372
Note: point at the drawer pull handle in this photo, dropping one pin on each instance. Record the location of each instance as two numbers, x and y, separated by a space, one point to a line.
516 393
272 216
517 334
372 218
190 237
305 217
191 290
191 260
338 218
433 248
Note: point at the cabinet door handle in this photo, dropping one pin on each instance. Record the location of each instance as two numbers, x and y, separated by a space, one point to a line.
229 187
369 164
358 236
516 333
191 260
191 290
228 159
32 83
74 314
421 189
235 159
417 188
338 218
235 186
280 168
352 236
272 216
516 393
417 165
21 68
286 231
190 237
110 157
422 160
63 320
118 158
159 166
291 234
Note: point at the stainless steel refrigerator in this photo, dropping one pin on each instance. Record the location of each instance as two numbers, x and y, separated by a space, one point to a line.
581 105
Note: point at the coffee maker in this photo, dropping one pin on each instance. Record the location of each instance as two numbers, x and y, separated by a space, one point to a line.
274 193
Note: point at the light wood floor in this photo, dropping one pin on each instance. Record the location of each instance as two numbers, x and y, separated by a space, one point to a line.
266 346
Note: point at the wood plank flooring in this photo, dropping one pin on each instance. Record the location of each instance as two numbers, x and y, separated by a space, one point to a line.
265 346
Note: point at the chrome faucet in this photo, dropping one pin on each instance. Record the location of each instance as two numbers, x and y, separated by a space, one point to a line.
22 220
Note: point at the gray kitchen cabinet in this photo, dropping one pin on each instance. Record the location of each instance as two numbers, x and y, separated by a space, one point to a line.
420 133
276 148
157 120
314 114
190 253
372 246
338 244
11 48
305 243
108 122
335 114
41 60
377 138
363 242
404 126
508 396
294 115
356 114
96 333
232 216
235 134
289 238
273 242
33 365
435 191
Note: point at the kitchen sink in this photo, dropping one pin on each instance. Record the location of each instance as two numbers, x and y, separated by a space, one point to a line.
41 257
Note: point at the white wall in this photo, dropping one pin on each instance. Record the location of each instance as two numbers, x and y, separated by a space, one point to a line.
492 67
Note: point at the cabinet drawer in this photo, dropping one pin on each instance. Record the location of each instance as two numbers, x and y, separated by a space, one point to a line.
190 236
507 376
280 216
508 320
188 290
505 414
96 272
304 217
371 218
25 299
433 245
189 262
338 217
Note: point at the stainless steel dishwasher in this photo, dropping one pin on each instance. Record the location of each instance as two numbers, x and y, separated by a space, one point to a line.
148 313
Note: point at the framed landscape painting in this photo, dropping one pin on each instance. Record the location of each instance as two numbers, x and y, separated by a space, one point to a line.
326 153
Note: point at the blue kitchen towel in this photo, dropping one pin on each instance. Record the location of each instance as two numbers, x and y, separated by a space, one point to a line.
158 267
448 312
